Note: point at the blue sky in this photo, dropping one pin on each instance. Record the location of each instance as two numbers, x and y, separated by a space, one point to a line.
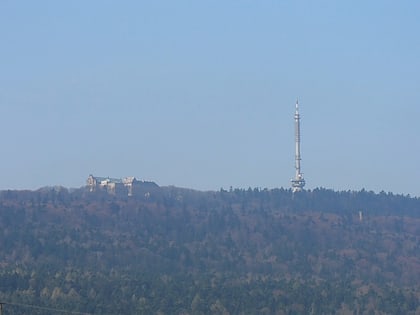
201 94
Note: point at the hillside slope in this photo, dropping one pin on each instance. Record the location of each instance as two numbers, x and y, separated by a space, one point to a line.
179 251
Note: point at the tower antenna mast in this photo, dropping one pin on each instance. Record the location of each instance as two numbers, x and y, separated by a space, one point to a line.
298 182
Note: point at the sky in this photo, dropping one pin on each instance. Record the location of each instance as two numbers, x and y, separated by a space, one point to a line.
201 94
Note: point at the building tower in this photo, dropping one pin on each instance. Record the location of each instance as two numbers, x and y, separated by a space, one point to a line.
298 182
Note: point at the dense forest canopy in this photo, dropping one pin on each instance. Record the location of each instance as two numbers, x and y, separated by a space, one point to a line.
168 250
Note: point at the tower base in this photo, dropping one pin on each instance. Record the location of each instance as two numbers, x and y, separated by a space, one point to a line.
298 184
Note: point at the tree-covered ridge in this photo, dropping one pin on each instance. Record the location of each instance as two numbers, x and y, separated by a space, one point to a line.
179 251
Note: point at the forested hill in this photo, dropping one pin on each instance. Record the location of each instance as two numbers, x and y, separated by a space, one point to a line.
177 251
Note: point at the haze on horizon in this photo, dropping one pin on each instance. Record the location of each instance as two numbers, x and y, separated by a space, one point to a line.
202 94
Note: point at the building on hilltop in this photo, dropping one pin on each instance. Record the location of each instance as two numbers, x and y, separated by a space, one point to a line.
125 185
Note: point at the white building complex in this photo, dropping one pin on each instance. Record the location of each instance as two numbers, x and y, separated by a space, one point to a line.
113 185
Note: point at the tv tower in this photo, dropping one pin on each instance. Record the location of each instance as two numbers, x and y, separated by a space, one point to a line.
298 182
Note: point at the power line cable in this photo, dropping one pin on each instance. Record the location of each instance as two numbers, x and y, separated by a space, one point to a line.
44 308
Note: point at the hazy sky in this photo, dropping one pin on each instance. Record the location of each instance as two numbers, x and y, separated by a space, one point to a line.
201 94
